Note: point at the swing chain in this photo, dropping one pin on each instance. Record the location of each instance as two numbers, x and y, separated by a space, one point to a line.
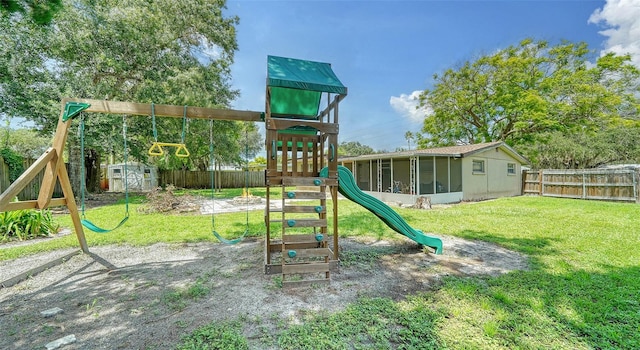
83 175
246 172
184 124
126 166
213 176
153 120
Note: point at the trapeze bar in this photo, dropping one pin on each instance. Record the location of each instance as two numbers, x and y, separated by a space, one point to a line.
181 149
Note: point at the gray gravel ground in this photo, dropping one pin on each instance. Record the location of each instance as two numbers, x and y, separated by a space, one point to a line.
124 297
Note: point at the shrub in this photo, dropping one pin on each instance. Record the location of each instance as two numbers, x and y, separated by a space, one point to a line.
26 224
14 161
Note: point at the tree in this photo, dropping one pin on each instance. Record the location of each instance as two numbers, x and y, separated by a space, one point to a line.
134 50
259 162
617 144
522 93
40 11
27 88
409 136
353 149
25 142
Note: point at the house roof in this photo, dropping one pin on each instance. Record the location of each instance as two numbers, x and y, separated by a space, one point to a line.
450 151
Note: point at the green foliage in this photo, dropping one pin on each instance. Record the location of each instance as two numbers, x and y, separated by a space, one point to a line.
557 150
522 92
27 143
164 52
26 224
376 323
23 60
353 149
40 11
14 161
221 336
177 298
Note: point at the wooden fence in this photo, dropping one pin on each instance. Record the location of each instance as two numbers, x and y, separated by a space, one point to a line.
599 184
179 178
202 179
4 175
31 191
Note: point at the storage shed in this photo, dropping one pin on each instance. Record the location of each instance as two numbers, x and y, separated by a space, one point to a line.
140 177
445 174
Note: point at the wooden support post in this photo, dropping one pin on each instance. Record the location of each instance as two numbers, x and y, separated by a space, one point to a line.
334 199
73 208
51 172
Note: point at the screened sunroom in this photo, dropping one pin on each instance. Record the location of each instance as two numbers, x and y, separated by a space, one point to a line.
446 174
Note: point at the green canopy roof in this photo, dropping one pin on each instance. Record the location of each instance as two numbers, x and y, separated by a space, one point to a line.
296 86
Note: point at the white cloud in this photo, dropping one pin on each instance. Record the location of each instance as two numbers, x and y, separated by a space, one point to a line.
621 20
407 106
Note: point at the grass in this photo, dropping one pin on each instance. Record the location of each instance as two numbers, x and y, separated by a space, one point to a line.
215 336
582 291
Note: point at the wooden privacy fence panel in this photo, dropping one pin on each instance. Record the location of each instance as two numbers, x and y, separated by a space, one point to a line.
202 179
601 184
31 191
4 175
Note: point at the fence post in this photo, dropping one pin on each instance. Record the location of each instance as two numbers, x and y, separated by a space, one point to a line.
636 185
584 185
4 175
541 182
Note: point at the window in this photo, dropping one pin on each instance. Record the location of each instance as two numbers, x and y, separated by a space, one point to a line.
478 166
511 168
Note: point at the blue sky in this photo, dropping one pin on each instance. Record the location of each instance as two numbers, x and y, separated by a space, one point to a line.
387 51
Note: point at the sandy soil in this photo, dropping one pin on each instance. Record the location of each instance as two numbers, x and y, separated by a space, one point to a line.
123 297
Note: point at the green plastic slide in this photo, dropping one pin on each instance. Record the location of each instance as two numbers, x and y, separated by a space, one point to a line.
349 189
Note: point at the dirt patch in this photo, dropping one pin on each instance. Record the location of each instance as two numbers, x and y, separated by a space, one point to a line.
123 297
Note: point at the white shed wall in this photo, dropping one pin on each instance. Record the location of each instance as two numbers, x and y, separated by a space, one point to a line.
140 177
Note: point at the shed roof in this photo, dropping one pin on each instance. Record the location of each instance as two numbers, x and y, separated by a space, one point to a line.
297 85
450 151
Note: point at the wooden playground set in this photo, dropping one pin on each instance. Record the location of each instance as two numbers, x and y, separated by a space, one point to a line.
302 161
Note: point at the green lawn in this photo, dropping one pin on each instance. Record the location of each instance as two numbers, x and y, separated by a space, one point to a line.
583 290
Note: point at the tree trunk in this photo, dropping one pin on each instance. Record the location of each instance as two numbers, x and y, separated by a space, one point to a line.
92 166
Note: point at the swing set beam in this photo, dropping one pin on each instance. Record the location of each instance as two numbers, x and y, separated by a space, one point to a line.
172 111
53 165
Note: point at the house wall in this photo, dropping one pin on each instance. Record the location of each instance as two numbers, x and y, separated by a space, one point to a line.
495 181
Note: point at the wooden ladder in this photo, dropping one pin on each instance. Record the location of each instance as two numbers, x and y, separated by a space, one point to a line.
306 255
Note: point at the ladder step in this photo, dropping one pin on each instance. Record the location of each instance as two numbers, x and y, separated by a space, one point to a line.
291 223
305 195
312 252
304 209
277 246
289 269
303 181
306 283
288 239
